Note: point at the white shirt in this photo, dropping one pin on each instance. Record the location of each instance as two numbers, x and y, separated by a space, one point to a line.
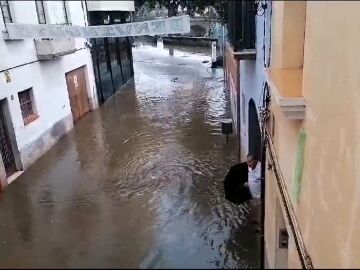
254 178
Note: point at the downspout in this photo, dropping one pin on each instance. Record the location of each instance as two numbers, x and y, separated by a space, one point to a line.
238 105
267 142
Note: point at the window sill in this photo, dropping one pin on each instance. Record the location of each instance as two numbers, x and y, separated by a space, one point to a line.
246 54
30 118
249 54
286 88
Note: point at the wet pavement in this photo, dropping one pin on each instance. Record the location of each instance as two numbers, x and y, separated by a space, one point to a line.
137 183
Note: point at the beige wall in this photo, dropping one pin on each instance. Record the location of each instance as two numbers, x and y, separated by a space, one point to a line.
329 208
270 219
277 33
288 26
285 143
271 227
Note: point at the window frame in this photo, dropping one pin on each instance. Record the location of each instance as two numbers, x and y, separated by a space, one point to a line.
41 3
241 25
31 116
66 15
5 5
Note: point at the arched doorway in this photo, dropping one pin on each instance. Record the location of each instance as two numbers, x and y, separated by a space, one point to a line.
254 131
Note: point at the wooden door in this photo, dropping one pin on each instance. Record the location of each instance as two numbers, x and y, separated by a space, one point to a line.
77 88
5 145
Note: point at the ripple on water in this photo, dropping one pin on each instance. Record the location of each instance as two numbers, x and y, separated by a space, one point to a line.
140 177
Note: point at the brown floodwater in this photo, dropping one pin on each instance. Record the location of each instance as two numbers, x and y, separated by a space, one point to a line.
137 183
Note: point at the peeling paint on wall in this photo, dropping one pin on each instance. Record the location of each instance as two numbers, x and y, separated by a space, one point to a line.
299 166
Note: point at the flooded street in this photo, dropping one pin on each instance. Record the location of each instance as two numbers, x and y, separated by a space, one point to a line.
137 183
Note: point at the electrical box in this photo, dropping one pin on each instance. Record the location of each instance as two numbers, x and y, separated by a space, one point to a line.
283 238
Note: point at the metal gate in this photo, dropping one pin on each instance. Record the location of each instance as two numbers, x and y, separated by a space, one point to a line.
5 145
79 101
113 66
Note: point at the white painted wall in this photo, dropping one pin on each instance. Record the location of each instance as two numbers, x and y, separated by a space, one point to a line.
23 51
111 5
47 78
252 78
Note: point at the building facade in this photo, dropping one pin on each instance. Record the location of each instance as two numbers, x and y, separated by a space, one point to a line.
112 57
312 189
302 75
247 53
46 85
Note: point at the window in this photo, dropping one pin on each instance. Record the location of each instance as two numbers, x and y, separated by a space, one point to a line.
241 24
5 10
66 17
57 12
26 106
40 11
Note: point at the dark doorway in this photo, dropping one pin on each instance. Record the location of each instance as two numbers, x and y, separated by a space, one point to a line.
6 150
254 131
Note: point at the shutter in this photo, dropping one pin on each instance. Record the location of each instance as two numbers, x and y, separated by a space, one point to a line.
241 24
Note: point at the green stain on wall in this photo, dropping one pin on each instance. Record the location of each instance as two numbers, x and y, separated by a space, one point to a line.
299 167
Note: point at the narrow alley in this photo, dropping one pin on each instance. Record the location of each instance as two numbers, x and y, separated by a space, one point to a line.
138 182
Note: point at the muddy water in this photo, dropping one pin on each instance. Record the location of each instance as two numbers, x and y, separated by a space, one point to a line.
137 183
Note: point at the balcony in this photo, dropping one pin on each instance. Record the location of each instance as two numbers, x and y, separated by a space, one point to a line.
47 49
286 88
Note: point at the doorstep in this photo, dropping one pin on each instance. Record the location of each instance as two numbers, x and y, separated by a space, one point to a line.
10 179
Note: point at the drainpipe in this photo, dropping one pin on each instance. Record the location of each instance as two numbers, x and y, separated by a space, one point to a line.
238 105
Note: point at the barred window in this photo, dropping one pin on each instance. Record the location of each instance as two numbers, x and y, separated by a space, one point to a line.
40 11
241 24
26 106
5 9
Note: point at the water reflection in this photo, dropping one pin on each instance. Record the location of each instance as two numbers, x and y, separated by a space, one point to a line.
137 183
